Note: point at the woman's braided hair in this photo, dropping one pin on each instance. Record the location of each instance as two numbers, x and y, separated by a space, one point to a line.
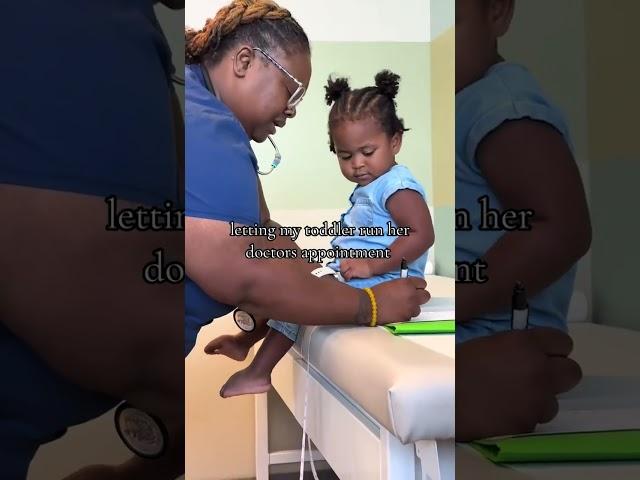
260 23
377 102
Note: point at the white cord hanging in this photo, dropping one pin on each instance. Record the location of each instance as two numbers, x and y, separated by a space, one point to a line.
304 419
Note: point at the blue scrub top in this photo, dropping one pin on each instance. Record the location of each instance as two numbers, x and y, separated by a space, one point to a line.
88 110
221 183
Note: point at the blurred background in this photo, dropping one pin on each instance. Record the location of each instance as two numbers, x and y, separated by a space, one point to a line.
579 51
97 442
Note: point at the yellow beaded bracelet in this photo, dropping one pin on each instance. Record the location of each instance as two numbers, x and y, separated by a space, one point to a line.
374 307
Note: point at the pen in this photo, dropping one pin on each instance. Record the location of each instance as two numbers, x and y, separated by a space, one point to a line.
404 270
519 308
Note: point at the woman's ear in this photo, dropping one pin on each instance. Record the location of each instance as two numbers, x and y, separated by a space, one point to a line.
396 142
500 16
242 61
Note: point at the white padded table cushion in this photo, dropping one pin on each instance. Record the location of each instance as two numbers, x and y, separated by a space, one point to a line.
406 383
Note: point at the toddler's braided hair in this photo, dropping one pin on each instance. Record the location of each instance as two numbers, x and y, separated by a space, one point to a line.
377 102
260 23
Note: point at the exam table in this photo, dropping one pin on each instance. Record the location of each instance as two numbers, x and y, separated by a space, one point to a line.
379 406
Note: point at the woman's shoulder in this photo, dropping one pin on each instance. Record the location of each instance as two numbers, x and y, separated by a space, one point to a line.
207 115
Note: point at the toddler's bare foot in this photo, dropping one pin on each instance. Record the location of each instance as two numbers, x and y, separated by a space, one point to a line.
245 382
231 346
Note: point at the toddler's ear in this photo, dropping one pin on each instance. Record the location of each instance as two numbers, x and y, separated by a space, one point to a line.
500 16
396 142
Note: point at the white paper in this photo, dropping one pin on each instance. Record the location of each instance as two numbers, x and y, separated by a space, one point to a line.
597 404
437 308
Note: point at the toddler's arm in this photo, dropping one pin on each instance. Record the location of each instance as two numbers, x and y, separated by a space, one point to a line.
408 210
529 166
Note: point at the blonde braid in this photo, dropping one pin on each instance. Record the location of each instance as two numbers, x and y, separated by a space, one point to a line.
238 12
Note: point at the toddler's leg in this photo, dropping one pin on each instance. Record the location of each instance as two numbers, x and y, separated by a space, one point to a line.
237 346
256 378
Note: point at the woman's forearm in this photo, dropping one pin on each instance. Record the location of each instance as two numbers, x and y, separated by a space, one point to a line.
283 289
75 292
269 292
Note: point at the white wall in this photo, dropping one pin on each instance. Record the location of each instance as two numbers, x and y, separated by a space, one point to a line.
549 38
442 17
343 20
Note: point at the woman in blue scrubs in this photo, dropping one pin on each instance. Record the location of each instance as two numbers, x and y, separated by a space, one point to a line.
247 71
86 113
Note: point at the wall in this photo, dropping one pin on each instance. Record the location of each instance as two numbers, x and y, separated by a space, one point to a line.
442 62
548 37
345 21
614 146
580 52
219 432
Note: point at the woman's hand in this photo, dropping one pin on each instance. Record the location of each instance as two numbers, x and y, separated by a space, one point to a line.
507 383
399 300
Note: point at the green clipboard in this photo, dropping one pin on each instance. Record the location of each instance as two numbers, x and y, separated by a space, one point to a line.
616 445
422 328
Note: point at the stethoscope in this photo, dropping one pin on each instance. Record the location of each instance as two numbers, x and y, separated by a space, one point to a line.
143 433
277 158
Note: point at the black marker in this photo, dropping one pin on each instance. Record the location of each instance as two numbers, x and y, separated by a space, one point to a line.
519 308
404 270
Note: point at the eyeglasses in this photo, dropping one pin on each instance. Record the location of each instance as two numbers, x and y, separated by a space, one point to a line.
297 96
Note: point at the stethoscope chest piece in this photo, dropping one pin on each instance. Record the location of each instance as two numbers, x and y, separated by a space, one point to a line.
142 433
244 320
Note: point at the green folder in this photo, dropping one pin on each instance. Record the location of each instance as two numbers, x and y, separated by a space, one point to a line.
421 328
618 445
